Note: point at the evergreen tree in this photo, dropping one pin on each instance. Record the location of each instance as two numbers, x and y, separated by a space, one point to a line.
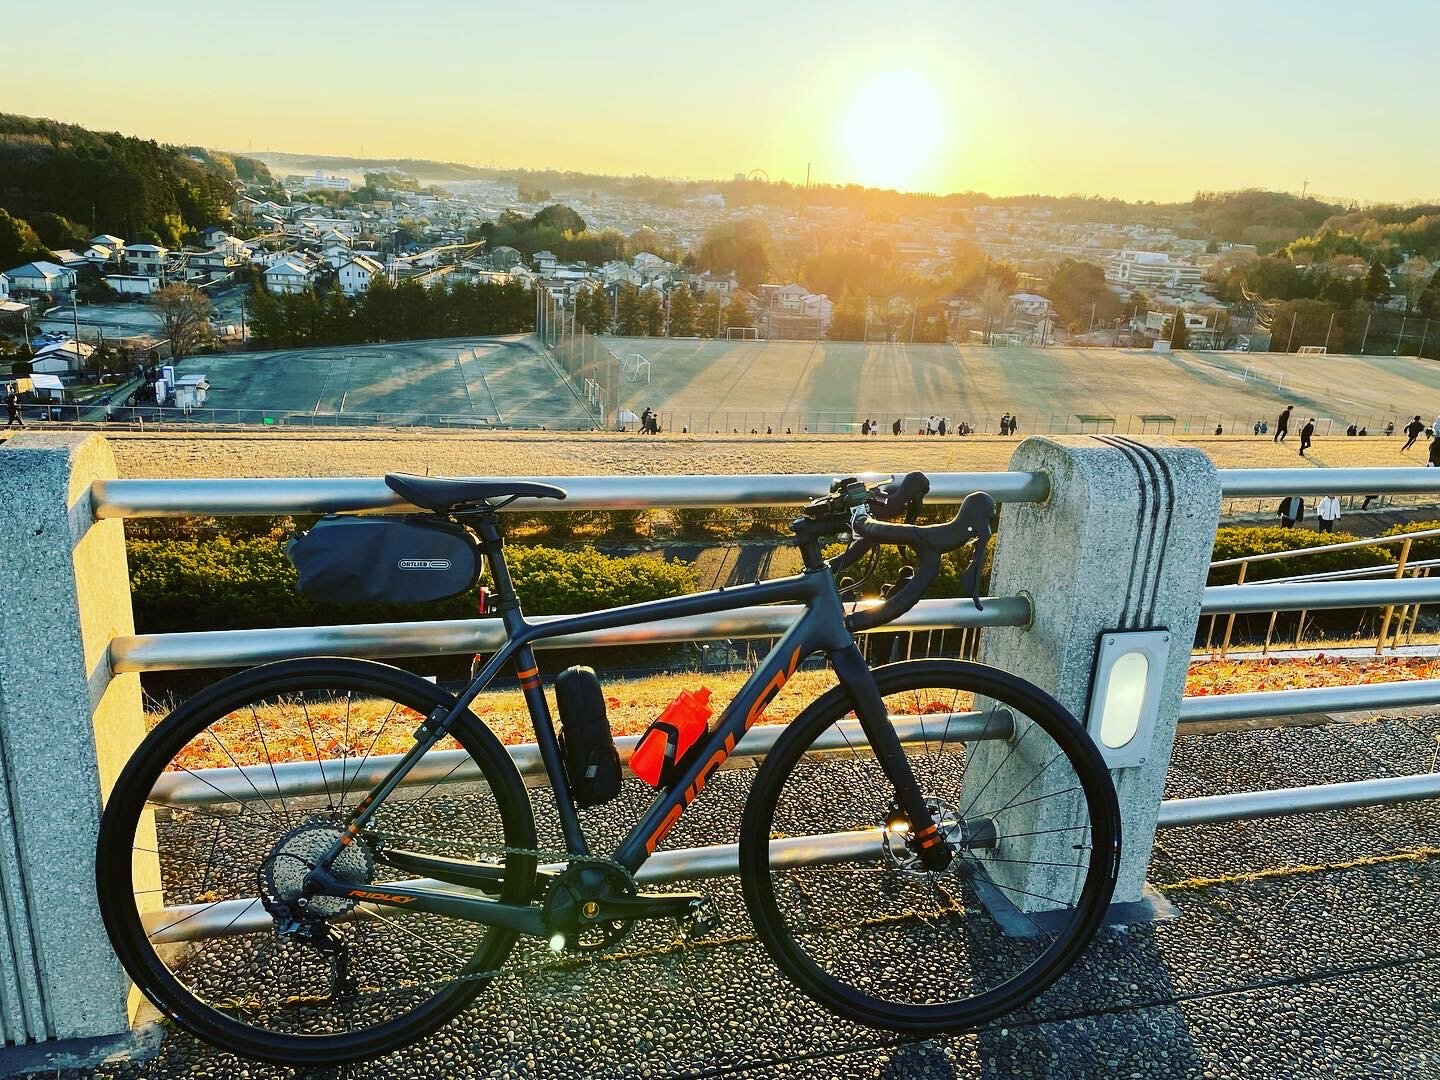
737 313
629 321
707 315
652 313
1179 333
1377 283
682 313
593 310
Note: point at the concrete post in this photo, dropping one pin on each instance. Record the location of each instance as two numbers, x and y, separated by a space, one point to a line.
66 727
1122 544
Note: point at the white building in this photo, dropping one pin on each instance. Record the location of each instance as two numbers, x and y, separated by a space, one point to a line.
1032 305
289 275
1151 269
41 277
61 358
4 286
355 276
145 260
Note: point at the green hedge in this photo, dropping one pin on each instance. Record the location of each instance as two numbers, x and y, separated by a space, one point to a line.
1234 542
225 583
1429 548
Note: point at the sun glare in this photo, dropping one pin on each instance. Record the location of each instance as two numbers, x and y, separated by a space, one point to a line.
892 130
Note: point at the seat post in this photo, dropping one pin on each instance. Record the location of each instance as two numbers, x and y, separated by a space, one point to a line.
492 544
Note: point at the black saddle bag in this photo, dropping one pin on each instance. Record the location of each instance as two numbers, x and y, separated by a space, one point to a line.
591 761
385 560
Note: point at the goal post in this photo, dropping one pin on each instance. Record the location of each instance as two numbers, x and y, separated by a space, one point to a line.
633 366
742 333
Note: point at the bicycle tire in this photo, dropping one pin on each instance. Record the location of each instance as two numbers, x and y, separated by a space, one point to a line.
925 1019
115 872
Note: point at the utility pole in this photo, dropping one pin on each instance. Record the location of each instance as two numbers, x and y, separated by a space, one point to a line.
1327 331
1401 338
1424 333
1291 339
1366 335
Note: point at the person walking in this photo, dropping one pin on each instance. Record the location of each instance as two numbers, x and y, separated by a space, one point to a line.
1005 424
1306 434
897 427
1257 427
1328 512
1290 510
1412 429
1282 424
12 410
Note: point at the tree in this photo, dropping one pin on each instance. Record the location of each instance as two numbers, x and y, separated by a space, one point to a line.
1413 276
995 304
847 321
18 242
742 245
1179 332
184 316
1076 288
1377 283
629 320
737 313
1429 303
592 308
707 315
652 313
682 313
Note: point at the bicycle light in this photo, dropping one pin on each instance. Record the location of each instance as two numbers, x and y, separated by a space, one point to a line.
1125 696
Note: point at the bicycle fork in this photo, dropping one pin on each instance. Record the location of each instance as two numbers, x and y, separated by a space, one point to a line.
850 667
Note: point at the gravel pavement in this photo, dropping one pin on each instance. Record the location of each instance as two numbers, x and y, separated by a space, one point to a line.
1303 947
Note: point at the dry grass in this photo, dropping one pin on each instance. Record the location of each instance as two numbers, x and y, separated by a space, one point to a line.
273 453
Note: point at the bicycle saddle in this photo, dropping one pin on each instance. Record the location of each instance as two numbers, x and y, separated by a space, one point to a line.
442 493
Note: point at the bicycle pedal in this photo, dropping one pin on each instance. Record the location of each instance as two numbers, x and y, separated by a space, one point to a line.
704 917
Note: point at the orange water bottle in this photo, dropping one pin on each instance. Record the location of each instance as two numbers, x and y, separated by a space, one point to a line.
667 739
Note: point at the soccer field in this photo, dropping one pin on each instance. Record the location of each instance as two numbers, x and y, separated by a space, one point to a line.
490 381
828 386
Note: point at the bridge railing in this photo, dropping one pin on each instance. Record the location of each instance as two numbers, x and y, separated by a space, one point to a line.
1099 539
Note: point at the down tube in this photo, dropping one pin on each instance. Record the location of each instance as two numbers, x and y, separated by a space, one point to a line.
815 631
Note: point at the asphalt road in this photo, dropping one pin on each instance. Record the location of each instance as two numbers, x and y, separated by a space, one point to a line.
1302 947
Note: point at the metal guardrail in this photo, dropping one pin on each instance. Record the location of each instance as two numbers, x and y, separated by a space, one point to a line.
242 648
152 498
184 498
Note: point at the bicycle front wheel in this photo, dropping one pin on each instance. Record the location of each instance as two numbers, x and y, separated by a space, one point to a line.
229 802
831 870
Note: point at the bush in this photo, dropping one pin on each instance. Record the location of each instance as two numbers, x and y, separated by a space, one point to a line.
890 560
227 583
1428 548
1238 541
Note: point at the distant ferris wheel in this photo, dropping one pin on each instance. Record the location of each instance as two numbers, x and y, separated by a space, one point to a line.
758 174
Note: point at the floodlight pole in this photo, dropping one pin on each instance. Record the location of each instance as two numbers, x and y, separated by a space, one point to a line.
1366 335
1327 331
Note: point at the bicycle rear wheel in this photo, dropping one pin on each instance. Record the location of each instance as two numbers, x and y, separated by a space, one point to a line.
831 872
227 803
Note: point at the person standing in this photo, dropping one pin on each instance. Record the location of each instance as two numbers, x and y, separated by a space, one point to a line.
1328 512
1220 429
1413 430
1282 424
12 409
1257 427
1306 434
1290 510
1435 451
897 427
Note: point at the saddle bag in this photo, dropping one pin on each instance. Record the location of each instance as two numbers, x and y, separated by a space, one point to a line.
385 560
591 761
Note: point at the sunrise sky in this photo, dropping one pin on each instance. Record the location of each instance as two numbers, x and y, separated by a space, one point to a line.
1139 101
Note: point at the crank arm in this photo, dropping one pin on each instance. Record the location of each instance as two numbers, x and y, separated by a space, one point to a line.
642 906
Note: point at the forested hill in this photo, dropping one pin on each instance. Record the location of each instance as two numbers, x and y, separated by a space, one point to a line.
137 189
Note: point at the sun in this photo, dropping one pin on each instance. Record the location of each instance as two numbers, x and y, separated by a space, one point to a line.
892 130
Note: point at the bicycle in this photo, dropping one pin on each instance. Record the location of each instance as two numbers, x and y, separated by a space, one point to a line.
312 907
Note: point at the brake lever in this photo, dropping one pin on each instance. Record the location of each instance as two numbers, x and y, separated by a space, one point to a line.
970 579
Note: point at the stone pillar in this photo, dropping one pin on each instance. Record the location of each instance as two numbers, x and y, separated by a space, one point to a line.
1123 543
67 724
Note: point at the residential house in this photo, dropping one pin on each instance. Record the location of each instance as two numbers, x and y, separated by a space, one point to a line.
710 282
650 266
4 286
544 261
41 277
615 273
524 275
145 260
291 274
211 235
1030 305
504 258
61 358
356 274
110 242
217 265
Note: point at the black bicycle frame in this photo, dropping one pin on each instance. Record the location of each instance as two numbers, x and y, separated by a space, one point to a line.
821 627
